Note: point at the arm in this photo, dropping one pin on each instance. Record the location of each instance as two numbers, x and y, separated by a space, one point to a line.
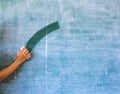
22 56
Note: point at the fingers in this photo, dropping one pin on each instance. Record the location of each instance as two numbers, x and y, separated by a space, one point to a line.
25 52
28 56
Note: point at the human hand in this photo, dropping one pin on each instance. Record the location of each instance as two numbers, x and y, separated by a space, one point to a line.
23 55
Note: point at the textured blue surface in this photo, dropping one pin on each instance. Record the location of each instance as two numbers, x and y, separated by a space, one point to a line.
83 57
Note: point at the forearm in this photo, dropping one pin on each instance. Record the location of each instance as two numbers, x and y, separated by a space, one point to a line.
9 70
22 56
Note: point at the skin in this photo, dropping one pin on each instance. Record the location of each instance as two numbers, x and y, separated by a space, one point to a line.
21 57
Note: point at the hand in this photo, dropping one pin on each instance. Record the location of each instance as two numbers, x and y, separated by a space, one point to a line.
23 55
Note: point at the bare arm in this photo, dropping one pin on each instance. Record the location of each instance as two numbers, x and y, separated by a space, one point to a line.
22 56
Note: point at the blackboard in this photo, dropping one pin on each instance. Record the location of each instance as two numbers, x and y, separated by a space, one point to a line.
82 57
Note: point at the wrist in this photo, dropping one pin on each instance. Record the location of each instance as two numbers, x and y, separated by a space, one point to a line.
19 61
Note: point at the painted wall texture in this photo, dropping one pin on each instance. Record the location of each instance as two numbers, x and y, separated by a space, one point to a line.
82 57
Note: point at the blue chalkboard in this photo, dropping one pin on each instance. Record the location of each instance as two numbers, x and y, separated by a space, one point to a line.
82 57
